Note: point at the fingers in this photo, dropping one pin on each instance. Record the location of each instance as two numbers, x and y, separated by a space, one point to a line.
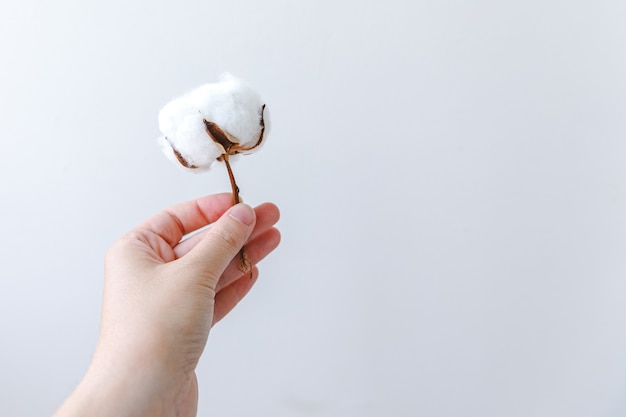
256 249
174 223
229 296
267 215
220 244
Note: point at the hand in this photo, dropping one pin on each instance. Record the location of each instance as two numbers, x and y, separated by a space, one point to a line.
161 297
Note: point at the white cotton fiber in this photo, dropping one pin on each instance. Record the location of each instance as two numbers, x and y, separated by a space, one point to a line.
230 103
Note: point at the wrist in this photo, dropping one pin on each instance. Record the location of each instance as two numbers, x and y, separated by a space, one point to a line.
112 388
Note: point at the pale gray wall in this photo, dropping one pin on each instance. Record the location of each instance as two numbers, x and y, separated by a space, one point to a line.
452 178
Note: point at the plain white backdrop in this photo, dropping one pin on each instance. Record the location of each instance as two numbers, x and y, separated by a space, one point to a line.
451 176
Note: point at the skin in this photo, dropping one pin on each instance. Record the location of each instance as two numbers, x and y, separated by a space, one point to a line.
161 298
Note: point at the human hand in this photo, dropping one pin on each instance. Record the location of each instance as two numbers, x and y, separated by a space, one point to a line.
161 297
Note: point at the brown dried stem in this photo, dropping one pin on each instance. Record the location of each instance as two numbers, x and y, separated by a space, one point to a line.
232 147
246 265
233 183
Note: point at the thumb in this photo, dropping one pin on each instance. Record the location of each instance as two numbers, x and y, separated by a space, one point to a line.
222 242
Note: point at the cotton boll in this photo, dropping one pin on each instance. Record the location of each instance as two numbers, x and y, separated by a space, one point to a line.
230 104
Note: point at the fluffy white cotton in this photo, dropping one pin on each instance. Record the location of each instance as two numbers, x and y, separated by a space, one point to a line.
230 103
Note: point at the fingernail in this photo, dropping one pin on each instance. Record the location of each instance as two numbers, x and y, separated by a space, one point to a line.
243 213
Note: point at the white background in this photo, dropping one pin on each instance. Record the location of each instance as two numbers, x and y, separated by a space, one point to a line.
451 175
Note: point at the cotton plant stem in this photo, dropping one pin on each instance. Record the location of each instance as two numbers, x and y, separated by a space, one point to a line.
246 265
233 183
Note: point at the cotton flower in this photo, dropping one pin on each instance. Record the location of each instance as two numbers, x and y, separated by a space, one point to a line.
223 118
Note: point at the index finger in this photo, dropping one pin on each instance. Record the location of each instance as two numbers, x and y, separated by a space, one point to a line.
175 222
